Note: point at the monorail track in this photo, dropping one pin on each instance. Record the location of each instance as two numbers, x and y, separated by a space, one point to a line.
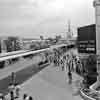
25 53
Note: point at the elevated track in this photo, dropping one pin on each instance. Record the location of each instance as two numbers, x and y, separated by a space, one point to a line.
21 53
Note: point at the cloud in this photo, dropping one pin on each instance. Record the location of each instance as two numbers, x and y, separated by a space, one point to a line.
43 16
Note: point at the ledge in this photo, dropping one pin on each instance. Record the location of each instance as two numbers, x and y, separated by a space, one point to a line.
93 88
85 97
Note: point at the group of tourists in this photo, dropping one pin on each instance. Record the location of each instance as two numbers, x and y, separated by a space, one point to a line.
14 89
66 61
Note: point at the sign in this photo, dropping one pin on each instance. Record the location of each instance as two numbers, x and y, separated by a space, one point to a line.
87 39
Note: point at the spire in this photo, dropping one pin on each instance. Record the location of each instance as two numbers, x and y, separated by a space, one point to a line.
69 31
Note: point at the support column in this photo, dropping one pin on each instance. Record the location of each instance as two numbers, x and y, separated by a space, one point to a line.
96 4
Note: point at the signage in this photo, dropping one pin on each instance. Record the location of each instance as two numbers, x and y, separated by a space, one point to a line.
87 39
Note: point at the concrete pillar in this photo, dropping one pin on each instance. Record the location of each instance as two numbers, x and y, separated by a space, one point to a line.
96 5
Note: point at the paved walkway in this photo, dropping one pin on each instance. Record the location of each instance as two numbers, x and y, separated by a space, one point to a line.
51 84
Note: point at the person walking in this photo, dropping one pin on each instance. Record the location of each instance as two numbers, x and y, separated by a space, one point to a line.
13 78
24 96
2 96
69 77
11 88
30 98
11 95
62 64
17 90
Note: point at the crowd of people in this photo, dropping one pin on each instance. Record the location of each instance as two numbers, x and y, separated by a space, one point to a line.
66 61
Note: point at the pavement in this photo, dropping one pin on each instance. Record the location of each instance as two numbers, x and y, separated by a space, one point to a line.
51 84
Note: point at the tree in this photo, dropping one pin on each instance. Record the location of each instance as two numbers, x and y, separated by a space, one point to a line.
41 37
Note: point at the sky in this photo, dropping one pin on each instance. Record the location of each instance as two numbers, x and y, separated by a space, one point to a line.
32 18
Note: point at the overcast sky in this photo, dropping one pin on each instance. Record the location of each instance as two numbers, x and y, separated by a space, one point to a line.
31 18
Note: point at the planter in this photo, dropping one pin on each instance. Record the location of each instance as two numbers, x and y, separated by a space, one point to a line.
84 96
89 94
95 86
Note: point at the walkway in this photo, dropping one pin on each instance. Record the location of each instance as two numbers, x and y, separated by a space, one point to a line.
51 84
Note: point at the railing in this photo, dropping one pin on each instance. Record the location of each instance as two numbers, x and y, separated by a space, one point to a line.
15 54
19 54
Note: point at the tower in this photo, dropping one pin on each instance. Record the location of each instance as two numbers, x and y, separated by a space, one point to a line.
69 31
